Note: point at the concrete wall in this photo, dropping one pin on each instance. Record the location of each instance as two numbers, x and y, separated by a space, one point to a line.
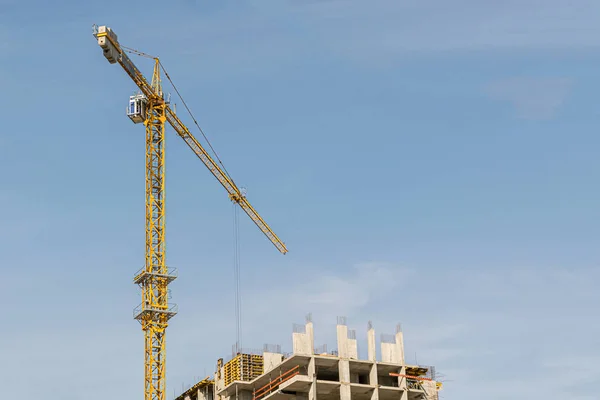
393 352
304 343
271 360
301 344
388 353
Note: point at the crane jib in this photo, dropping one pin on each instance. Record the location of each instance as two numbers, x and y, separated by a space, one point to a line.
128 66
114 52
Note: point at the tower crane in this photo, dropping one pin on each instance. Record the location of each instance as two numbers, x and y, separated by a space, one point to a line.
152 109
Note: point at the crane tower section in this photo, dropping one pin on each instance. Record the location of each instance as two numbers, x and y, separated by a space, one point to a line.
154 311
150 108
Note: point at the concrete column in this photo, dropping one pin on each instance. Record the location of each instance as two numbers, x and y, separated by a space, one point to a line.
311 334
371 347
312 392
312 374
373 376
352 347
399 344
342 340
347 346
402 383
374 381
375 394
311 370
344 367
345 392
399 350
219 375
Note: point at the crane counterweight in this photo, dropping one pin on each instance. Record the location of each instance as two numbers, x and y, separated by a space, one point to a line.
107 39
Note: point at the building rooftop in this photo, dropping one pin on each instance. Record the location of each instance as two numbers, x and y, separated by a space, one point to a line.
308 373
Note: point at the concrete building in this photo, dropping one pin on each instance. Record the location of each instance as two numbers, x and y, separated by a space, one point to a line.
314 374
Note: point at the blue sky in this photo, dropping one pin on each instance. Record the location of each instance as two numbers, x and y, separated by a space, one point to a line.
432 164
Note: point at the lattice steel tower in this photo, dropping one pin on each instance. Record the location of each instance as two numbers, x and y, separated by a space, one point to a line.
150 108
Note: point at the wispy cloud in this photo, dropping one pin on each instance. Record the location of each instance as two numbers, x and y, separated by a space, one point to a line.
259 36
329 293
487 324
463 24
533 98
69 303
485 321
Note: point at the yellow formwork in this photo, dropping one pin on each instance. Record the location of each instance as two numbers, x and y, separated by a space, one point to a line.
243 367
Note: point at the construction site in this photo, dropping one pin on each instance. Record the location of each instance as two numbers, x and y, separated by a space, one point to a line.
307 372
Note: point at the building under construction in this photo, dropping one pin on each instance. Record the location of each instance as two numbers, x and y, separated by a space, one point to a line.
309 373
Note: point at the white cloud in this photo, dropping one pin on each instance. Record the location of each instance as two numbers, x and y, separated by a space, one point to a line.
270 309
480 327
527 326
328 294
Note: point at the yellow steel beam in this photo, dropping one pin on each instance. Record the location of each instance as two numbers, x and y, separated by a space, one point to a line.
234 192
155 302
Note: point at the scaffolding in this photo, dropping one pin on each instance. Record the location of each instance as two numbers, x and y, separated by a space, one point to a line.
243 367
274 384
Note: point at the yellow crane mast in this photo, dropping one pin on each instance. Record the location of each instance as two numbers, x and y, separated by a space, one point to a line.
151 109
